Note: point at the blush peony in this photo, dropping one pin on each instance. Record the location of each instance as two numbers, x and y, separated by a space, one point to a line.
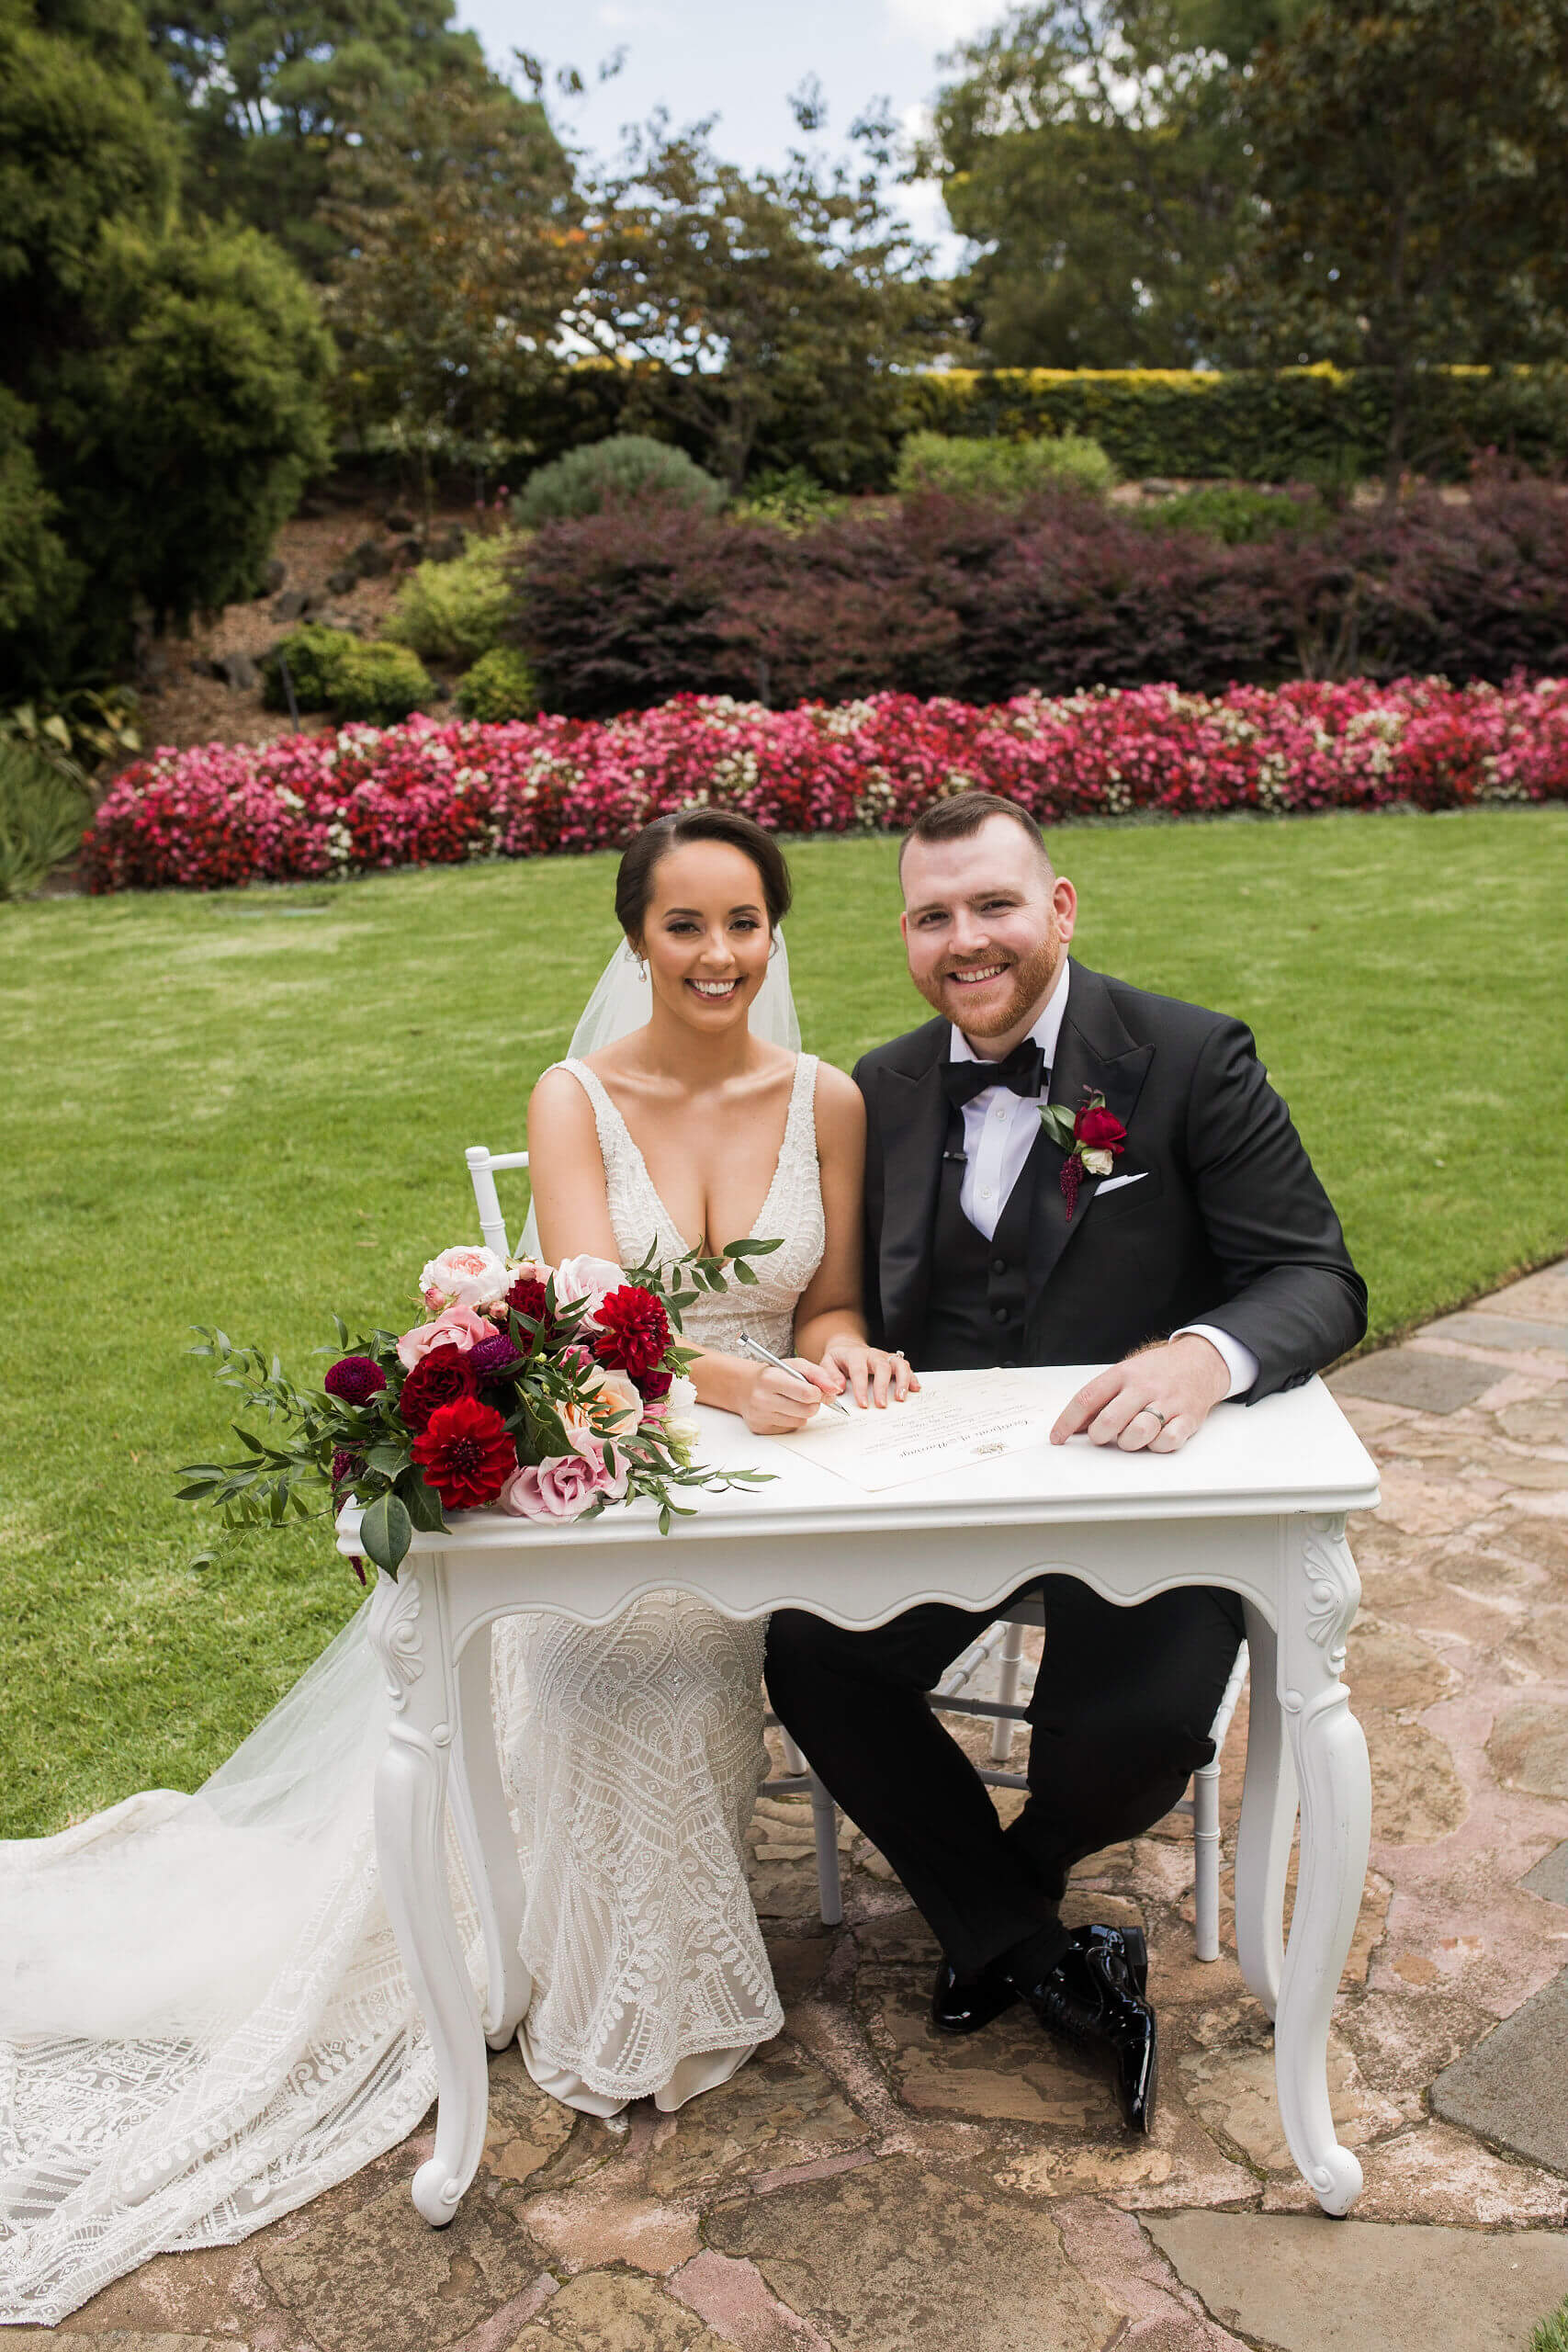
465 1276
459 1327
586 1277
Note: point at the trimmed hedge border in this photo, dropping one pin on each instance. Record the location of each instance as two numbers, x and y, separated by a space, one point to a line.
428 792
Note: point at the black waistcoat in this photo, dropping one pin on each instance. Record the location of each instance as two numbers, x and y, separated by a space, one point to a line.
976 1307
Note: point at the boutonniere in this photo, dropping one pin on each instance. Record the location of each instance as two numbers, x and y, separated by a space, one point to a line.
1092 1137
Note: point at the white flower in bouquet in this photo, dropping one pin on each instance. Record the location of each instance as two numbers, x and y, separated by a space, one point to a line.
680 1414
1096 1163
465 1277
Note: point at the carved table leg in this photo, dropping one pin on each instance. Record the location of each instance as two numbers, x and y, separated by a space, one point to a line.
411 1837
1267 1818
1318 1597
484 1832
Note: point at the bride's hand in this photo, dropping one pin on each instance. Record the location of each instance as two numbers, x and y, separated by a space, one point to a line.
778 1401
871 1373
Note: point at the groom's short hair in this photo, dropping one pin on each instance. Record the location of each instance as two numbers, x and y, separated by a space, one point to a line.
960 815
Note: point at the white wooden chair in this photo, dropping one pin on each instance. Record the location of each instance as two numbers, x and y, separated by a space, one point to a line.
1005 1635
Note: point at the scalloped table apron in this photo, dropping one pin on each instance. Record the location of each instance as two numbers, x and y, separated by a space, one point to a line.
1256 1504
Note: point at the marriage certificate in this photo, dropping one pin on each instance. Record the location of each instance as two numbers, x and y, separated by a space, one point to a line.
959 1417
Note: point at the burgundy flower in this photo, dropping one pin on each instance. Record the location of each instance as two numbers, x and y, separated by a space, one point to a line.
1098 1129
655 1383
527 1297
633 1330
440 1378
356 1379
492 1356
466 1452
347 1462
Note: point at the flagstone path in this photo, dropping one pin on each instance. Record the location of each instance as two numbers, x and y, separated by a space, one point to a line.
862 2187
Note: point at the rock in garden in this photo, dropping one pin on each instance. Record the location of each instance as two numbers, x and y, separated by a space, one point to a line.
271 579
447 547
370 560
237 671
398 521
343 580
1157 487
293 605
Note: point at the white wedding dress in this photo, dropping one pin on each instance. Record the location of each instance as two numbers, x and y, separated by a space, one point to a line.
204 2018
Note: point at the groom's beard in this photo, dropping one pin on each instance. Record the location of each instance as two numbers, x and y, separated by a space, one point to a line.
1030 980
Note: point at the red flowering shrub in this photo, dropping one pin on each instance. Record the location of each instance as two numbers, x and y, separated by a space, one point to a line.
633 1330
467 1453
428 794
439 1378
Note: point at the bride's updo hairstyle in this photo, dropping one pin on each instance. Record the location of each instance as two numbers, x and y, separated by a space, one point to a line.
634 881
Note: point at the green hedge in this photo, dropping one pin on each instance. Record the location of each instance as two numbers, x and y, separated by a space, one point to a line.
1300 424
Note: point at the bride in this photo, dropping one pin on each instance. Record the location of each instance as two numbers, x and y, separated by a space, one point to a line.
204 2019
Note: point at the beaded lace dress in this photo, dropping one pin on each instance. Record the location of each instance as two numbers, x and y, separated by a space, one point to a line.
632 1752
204 2018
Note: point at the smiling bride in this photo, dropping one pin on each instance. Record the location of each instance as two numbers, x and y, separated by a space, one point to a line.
634 1751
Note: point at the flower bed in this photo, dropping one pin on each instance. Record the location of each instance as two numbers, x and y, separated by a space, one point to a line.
428 792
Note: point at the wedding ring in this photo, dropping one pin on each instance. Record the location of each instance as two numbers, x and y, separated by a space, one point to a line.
1159 1416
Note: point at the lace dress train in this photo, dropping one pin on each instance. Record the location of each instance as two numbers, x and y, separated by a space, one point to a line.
204 2018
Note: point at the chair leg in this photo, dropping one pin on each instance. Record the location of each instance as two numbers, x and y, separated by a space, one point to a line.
1206 1859
825 1822
794 1762
1007 1691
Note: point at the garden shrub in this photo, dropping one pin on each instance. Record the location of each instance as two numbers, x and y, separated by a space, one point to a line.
335 671
44 805
1262 425
499 686
627 466
1230 511
997 469
441 793
789 496
454 612
973 598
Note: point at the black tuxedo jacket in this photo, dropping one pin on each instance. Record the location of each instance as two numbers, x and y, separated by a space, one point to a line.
1228 1224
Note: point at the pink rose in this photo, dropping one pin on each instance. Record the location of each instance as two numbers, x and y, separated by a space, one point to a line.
564 1484
586 1277
466 1276
459 1328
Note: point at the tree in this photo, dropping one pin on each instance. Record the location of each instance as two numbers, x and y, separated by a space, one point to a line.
1094 152
463 248
752 298
273 89
1411 166
160 389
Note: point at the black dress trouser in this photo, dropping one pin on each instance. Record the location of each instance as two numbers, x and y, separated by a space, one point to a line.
1119 1721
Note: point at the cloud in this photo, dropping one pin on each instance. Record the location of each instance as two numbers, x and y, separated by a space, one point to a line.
939 23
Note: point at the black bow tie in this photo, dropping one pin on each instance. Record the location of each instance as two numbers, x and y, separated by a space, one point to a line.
1023 1070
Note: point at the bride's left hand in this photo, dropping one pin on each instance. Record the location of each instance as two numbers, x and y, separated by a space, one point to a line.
871 1373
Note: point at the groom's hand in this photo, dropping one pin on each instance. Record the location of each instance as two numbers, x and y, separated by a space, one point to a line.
1156 1399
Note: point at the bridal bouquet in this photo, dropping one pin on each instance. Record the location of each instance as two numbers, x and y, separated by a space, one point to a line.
549 1392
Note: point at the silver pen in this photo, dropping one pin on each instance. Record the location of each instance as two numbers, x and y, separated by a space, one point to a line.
765 1355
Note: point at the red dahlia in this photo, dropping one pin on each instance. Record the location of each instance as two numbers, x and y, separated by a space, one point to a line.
439 1378
467 1453
633 1330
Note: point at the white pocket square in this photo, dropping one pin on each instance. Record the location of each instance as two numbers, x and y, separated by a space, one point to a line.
1114 1183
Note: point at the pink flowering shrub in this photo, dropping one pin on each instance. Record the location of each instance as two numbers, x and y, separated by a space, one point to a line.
428 792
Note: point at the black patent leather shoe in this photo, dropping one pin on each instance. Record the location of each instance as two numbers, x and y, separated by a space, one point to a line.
1089 1998
964 2003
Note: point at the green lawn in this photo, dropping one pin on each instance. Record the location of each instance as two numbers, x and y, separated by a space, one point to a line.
251 1109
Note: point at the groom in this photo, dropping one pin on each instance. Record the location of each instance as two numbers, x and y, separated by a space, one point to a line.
1204 1257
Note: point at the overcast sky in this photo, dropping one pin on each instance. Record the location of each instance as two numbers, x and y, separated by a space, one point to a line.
738 59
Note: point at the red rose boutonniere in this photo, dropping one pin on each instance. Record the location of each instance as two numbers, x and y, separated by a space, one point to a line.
1092 1137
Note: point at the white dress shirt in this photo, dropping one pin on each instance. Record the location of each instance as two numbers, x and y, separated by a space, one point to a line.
999 1128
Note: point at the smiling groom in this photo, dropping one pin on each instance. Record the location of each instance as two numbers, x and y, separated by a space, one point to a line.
1060 1169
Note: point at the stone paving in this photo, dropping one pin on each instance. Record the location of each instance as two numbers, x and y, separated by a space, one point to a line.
862 2187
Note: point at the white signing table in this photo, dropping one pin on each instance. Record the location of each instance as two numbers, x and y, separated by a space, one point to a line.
1255 1504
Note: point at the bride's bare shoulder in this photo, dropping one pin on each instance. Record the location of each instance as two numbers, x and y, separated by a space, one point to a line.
559 1105
839 1107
